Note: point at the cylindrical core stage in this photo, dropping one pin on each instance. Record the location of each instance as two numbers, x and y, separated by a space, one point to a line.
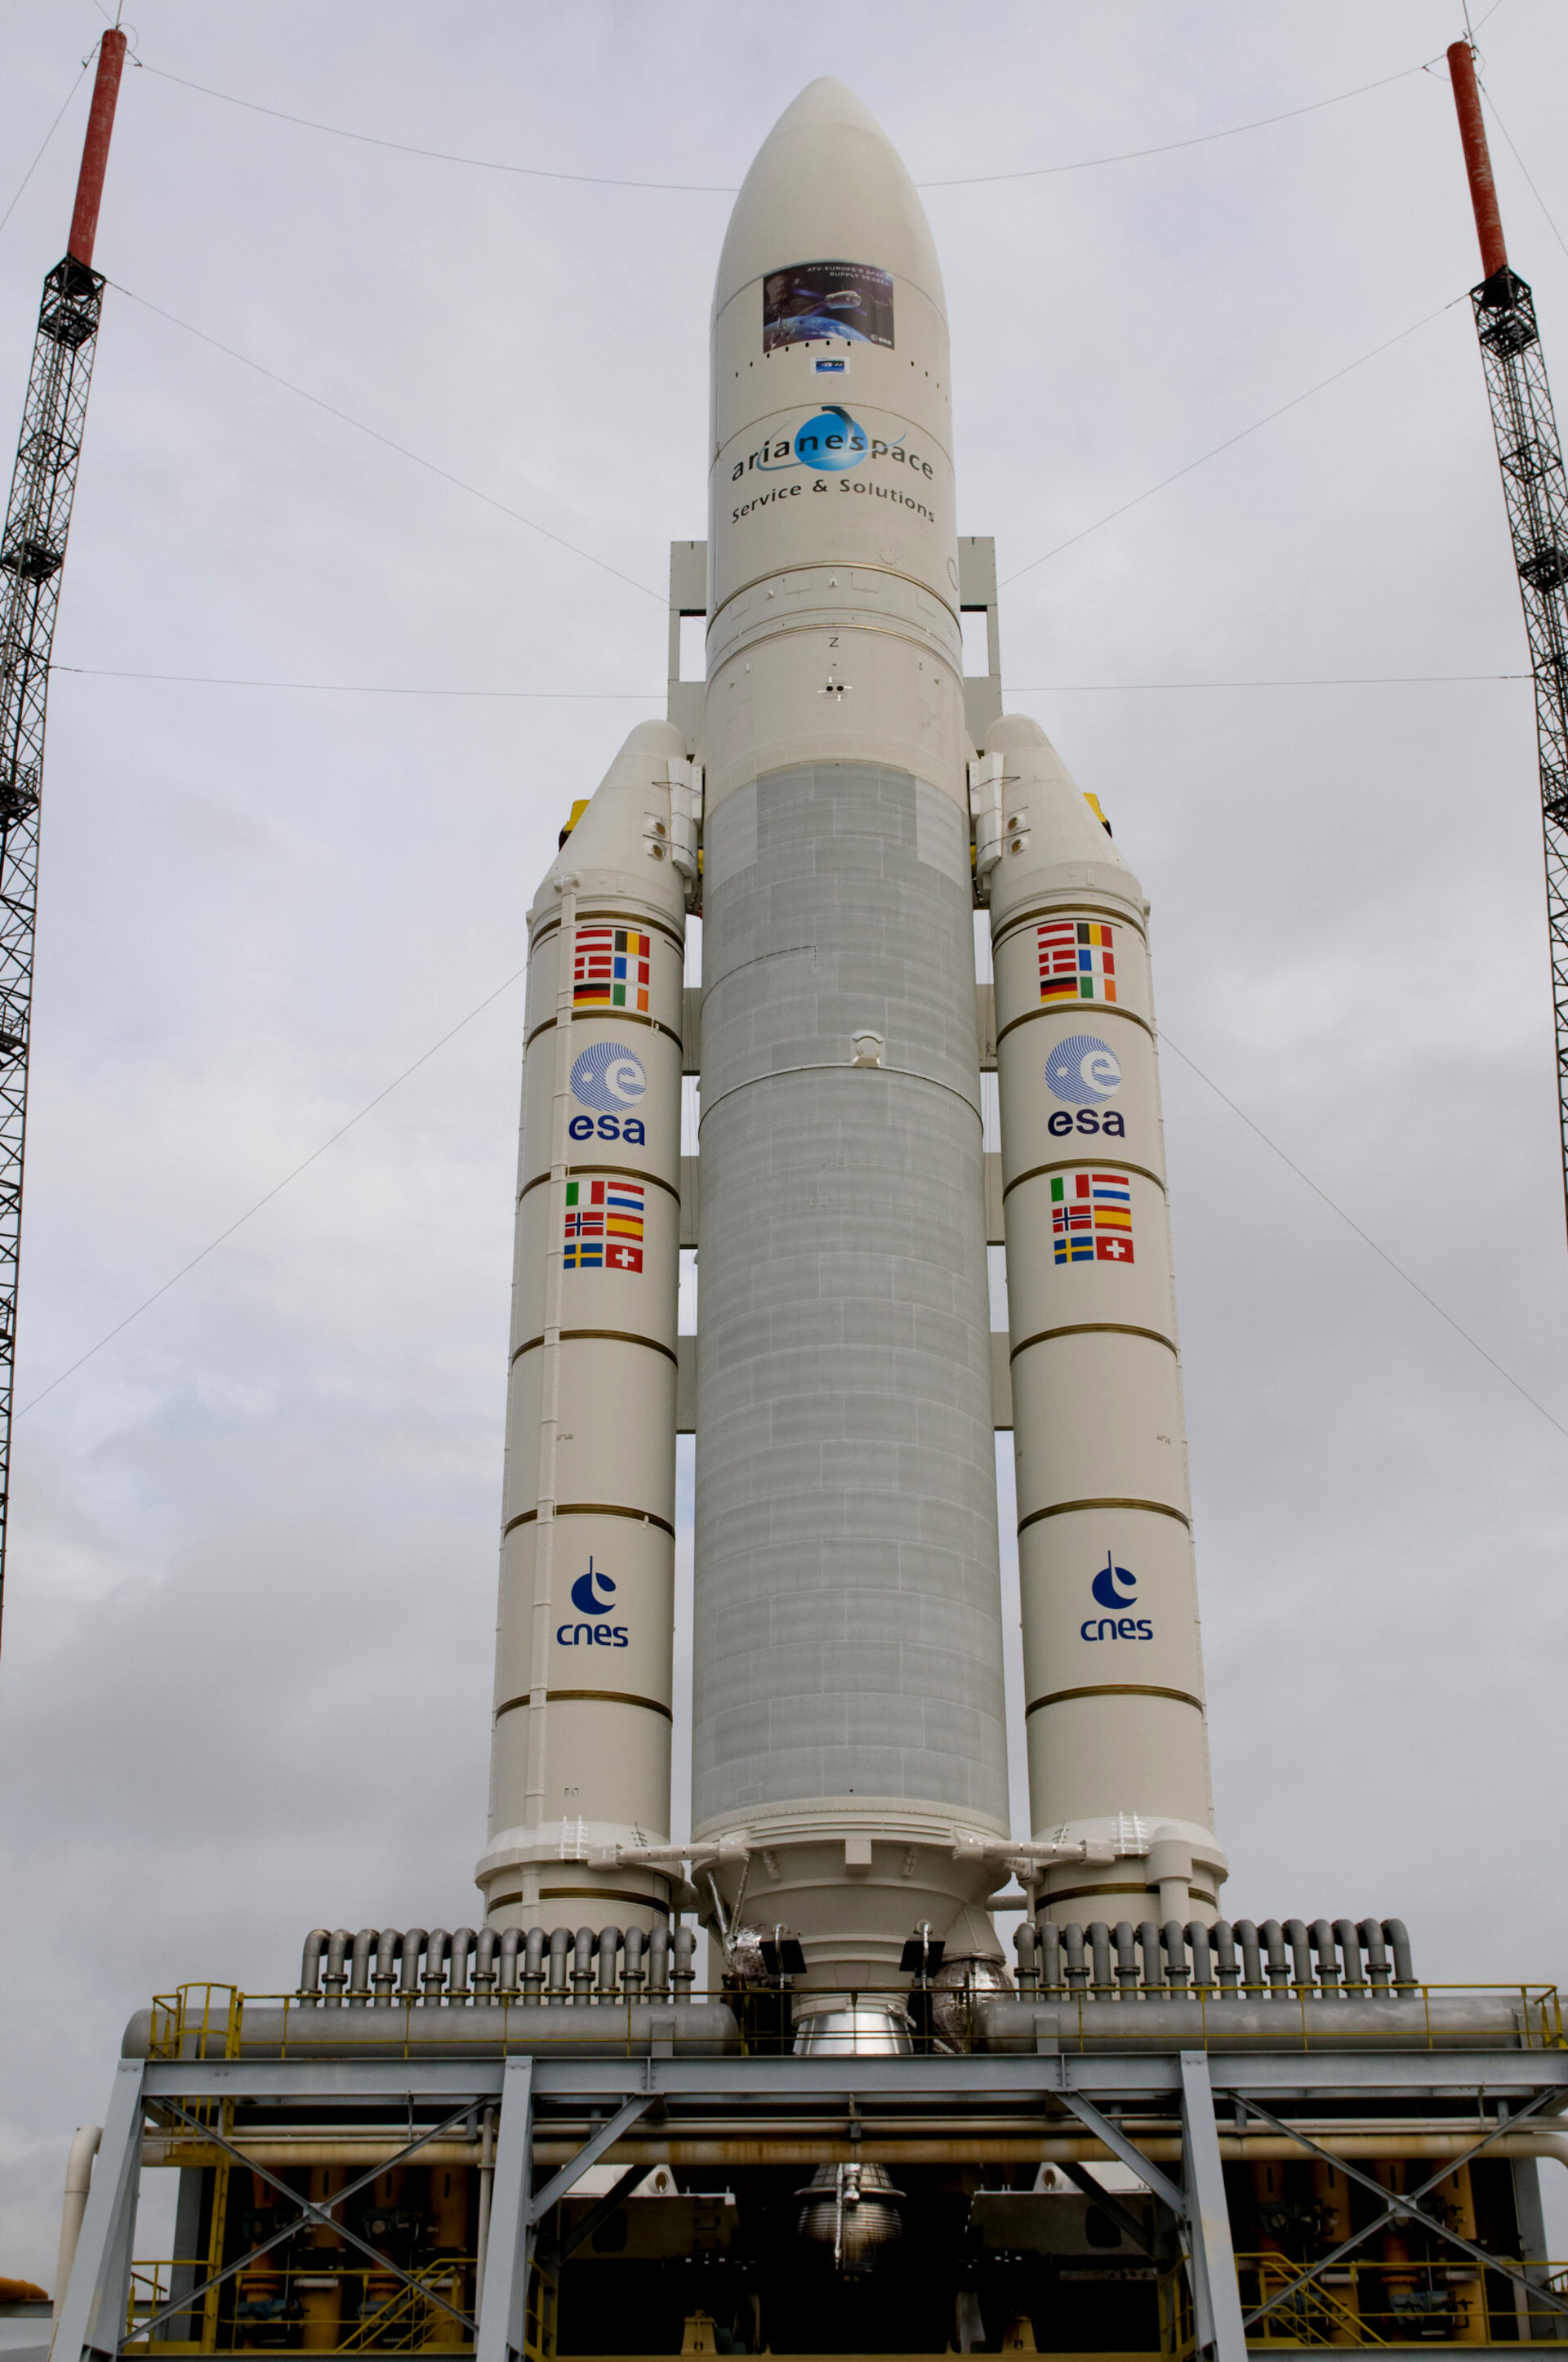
847 1712
847 1654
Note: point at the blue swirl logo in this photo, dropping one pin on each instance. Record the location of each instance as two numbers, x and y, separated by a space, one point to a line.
609 1076
585 1598
1083 1070
831 441
1110 1575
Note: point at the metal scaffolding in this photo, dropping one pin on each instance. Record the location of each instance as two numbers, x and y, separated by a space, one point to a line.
1531 457
1529 453
32 553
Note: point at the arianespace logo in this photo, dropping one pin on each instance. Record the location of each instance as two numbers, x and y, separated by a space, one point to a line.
831 444
1086 1072
612 1078
587 1600
1116 1587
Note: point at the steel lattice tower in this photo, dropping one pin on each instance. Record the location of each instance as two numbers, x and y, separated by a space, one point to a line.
1535 491
32 555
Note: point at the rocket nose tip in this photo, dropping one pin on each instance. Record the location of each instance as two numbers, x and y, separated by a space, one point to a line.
826 101
827 180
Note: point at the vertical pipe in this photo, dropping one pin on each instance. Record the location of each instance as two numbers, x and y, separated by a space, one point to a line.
550 1365
78 2181
96 148
1534 2326
1330 2197
1456 2195
486 2184
1478 158
321 2299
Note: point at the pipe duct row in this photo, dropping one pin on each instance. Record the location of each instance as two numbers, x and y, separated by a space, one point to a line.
382 1967
1293 1960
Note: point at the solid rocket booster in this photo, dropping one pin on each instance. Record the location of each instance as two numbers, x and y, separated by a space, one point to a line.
848 1738
579 1764
1113 1674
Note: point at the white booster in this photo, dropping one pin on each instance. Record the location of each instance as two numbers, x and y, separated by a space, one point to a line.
1112 1665
579 1764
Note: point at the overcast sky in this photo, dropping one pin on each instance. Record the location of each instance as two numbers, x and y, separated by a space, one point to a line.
251 1581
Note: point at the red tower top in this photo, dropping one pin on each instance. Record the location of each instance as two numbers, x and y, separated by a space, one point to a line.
1477 160
96 148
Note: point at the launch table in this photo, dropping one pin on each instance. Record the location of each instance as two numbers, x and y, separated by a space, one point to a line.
532 2125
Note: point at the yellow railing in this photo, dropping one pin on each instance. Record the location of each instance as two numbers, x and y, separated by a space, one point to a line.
411 2308
539 2316
209 2020
363 2309
1360 2302
193 2015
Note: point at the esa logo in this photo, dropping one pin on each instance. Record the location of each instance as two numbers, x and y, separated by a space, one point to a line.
1084 1071
610 1077
1108 1589
586 1599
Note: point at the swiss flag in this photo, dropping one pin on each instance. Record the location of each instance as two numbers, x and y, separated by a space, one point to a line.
631 1258
1113 1250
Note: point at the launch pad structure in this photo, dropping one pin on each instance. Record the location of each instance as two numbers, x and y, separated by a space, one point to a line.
1385 2185
1158 2131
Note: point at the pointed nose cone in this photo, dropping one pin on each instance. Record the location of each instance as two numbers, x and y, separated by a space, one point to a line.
827 183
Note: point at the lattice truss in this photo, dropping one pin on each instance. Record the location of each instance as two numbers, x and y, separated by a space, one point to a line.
1536 493
32 551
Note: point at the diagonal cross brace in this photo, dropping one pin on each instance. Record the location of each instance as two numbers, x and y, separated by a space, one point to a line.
308 2211
593 2149
1126 2222
1409 2207
1117 2142
597 2215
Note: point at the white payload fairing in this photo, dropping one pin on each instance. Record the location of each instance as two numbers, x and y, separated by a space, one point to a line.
836 827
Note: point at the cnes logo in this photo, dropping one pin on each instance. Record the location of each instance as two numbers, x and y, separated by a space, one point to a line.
1116 1587
587 1599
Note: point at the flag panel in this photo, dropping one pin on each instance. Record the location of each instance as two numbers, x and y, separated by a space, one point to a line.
611 968
604 1225
1091 1218
1077 960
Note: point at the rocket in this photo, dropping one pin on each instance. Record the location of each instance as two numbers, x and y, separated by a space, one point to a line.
837 827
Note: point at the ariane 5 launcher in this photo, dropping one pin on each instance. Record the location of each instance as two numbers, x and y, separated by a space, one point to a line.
834 822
